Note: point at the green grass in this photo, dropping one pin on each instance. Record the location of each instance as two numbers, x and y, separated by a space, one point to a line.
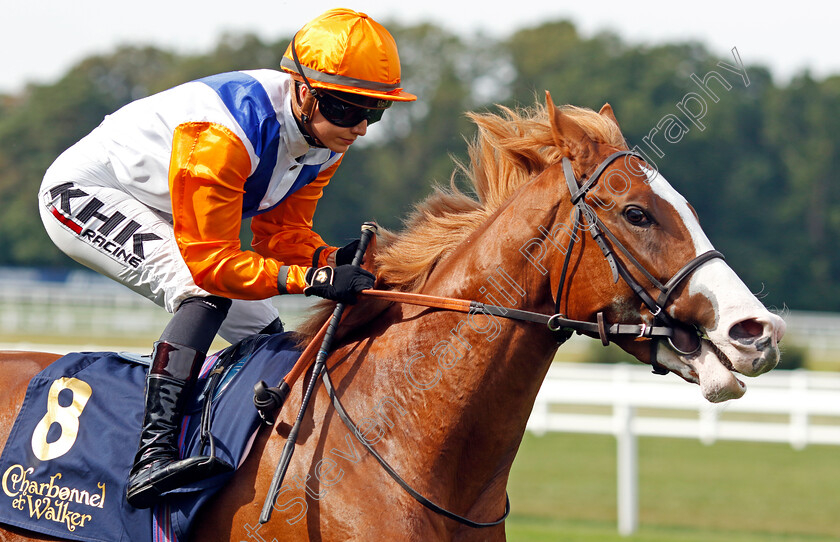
563 487
522 529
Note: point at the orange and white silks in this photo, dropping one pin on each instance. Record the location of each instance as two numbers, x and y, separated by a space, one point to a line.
208 173
215 151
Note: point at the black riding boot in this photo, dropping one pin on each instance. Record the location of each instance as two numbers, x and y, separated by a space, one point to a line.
157 467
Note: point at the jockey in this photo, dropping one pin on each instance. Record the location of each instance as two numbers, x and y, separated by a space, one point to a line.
155 196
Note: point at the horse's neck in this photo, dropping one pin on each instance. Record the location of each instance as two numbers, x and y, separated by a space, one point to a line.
497 266
488 369
500 263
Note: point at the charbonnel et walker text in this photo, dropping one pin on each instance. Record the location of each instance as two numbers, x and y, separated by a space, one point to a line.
50 501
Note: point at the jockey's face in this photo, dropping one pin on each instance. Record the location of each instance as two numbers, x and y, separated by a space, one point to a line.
335 138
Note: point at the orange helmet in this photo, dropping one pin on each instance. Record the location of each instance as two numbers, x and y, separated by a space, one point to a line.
346 51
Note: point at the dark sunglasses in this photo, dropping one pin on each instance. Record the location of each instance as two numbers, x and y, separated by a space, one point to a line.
345 109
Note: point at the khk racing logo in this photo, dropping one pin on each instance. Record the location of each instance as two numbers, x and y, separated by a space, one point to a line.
106 237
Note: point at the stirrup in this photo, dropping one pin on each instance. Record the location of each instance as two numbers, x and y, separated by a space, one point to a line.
151 483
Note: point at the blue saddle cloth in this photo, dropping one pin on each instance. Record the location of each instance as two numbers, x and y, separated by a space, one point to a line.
65 467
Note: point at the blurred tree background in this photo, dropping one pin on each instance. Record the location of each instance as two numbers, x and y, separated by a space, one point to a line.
761 171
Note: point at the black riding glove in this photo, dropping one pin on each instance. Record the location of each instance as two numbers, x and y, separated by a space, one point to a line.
340 283
344 255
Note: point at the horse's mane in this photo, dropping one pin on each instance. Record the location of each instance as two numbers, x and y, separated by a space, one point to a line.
509 149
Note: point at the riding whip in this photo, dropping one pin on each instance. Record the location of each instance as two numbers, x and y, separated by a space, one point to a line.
368 230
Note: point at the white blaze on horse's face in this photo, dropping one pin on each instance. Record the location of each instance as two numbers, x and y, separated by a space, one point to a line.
744 333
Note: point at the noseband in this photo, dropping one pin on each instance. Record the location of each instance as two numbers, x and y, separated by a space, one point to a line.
664 326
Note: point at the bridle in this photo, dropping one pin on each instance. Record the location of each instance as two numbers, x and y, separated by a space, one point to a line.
684 339
664 326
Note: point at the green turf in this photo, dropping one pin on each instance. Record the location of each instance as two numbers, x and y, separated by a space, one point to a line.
563 487
525 529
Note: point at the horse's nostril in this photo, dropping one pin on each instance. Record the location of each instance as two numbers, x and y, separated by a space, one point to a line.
747 330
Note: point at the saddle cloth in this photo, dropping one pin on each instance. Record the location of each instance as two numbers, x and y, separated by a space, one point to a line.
65 467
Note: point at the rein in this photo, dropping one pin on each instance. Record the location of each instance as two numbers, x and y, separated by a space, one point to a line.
560 326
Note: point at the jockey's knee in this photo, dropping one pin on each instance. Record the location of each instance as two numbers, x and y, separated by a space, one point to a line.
196 322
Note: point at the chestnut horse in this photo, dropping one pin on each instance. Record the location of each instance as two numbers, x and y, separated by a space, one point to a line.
444 397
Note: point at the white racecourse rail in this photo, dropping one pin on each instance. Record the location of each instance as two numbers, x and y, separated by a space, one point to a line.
629 401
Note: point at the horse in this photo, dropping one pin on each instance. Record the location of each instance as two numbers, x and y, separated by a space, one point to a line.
443 397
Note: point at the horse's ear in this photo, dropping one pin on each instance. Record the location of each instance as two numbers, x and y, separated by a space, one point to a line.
607 111
569 137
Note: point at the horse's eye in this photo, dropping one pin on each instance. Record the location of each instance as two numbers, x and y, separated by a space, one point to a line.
636 216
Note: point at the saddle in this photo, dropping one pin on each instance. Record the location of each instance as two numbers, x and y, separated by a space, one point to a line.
65 467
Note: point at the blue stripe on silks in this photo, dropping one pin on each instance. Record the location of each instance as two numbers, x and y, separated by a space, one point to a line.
248 102
307 175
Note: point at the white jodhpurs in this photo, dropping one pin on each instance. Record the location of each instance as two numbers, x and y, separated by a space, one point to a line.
105 228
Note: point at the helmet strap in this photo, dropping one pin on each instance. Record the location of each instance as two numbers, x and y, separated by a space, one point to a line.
303 116
307 108
300 68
